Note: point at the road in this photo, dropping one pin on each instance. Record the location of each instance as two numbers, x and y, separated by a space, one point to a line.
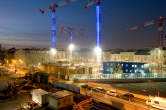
118 102
14 102
147 88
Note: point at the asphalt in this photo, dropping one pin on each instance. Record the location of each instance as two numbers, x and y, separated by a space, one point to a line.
14 102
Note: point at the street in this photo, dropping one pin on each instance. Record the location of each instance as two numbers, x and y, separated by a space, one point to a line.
14 102
117 102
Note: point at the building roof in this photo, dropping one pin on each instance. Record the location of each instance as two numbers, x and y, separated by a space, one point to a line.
142 52
61 94
40 91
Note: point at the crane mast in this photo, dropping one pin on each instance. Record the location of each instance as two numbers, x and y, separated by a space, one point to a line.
160 31
53 7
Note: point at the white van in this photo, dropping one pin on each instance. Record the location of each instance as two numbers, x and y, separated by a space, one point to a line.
157 102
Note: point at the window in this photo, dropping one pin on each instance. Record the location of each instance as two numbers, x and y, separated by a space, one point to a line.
126 65
132 65
126 70
142 66
135 66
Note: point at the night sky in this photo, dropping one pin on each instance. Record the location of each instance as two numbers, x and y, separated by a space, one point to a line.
22 24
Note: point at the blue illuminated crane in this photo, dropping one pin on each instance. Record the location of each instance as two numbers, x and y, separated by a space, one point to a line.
97 19
53 7
70 30
98 49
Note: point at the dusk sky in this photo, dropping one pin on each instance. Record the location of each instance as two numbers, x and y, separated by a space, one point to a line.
22 24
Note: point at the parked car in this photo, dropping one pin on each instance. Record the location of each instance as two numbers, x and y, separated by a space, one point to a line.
112 92
127 96
84 86
157 102
89 88
99 89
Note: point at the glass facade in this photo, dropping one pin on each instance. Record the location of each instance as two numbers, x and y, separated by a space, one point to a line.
124 67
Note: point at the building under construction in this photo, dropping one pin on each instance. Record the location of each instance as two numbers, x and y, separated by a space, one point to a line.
64 70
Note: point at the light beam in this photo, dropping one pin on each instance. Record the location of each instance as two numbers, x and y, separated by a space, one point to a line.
53 30
98 25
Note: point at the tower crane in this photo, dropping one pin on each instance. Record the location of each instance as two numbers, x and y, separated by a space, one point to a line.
69 30
52 8
158 21
71 46
92 2
98 49
97 19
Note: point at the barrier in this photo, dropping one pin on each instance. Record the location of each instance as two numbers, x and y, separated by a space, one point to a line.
118 76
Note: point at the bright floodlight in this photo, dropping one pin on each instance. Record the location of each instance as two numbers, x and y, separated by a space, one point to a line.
98 51
71 47
53 51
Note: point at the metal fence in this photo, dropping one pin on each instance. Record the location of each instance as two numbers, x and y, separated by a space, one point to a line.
117 76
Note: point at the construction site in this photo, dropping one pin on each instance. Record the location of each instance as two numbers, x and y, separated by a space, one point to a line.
76 78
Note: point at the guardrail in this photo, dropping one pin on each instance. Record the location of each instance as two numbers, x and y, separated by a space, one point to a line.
117 76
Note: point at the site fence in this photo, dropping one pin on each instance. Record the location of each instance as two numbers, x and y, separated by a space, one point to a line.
117 76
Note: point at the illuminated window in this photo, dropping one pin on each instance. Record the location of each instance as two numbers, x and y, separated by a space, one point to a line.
142 66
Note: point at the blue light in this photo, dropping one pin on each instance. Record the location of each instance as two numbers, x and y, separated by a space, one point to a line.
53 30
98 25
71 38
